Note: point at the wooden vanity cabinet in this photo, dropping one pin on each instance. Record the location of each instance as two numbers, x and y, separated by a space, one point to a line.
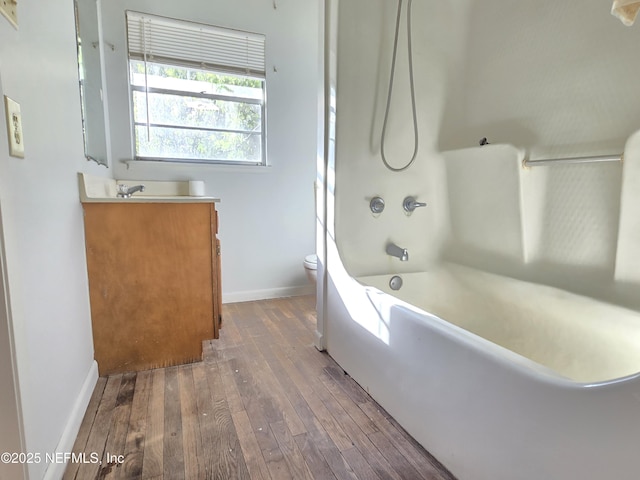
154 282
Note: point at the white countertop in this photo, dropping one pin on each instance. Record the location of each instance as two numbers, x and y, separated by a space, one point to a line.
137 198
95 189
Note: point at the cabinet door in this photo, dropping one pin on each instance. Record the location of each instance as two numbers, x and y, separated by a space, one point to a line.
150 283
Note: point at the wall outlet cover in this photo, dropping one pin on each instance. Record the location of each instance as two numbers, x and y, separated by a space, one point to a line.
14 128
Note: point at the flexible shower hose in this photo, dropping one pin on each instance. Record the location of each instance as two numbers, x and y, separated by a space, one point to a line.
411 86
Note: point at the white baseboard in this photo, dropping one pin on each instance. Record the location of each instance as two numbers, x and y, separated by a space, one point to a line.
252 295
68 438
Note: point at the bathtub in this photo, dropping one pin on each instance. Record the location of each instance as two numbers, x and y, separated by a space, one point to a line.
496 377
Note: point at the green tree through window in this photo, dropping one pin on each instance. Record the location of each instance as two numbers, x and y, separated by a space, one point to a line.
183 113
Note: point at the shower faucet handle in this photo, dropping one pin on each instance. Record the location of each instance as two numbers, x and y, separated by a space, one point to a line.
410 204
376 205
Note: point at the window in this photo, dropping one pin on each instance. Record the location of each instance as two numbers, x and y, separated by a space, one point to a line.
198 92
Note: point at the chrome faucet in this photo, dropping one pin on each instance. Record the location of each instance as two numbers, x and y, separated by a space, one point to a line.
125 191
410 204
396 251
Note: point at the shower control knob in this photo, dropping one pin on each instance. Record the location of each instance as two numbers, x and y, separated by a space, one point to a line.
410 204
376 205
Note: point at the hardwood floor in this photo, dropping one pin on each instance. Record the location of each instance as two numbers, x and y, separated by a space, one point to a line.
263 404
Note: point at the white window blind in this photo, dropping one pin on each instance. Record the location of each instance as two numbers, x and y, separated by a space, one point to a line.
160 39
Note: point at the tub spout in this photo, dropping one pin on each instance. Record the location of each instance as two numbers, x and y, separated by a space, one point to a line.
396 251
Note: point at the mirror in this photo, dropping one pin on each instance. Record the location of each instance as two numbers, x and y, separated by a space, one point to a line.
92 98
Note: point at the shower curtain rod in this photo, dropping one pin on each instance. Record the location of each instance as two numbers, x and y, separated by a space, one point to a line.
561 161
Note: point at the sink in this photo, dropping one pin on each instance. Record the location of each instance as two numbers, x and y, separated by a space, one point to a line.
103 189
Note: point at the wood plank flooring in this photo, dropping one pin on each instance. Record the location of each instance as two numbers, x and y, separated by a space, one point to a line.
263 404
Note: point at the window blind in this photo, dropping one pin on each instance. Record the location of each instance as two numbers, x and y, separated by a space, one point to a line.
160 39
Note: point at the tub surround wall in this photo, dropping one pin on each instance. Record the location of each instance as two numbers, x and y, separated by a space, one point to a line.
556 78
556 225
627 261
485 211
553 224
571 215
365 48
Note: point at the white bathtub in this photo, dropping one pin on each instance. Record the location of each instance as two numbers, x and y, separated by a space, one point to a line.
503 379
577 337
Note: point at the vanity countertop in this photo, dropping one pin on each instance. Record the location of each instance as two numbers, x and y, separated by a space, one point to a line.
141 198
94 189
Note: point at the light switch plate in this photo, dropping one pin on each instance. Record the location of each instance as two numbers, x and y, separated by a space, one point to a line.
14 128
9 8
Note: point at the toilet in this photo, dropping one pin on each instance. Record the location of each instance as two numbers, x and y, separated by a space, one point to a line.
311 267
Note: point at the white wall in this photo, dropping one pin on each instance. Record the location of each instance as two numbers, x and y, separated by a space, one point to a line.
266 214
42 225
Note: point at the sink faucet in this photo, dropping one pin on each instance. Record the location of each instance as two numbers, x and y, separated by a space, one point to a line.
396 251
125 191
